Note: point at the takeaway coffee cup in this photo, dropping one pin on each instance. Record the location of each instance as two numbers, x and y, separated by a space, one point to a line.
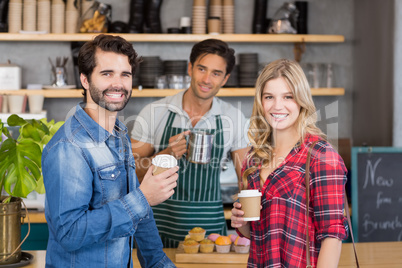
200 147
250 201
163 162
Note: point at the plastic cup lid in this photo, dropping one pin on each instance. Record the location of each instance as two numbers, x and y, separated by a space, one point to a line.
164 161
249 193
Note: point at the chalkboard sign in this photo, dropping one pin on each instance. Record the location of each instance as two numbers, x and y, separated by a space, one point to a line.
377 193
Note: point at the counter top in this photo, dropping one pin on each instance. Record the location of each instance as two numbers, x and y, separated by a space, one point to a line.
39 216
378 255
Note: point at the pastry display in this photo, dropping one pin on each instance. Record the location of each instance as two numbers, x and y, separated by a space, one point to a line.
196 242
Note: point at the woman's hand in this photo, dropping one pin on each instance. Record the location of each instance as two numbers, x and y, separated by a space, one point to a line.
237 220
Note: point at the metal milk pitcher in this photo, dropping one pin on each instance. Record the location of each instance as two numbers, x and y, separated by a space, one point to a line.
200 147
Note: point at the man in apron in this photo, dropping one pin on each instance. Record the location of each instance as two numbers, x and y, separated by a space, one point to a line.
162 127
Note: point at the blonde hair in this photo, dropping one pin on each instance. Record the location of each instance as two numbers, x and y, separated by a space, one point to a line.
260 132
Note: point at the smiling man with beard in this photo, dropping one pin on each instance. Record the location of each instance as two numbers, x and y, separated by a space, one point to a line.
95 206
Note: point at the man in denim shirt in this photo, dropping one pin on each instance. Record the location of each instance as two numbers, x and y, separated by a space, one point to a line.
95 206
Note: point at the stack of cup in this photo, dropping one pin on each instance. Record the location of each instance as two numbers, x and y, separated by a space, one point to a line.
228 16
214 25
14 16
215 10
163 162
85 7
72 16
44 15
199 16
29 15
58 9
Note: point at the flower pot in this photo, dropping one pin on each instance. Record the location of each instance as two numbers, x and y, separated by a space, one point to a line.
10 233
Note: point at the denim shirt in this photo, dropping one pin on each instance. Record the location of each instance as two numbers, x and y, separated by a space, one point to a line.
94 207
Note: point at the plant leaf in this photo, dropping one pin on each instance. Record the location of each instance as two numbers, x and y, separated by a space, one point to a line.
15 120
21 165
34 129
52 130
40 187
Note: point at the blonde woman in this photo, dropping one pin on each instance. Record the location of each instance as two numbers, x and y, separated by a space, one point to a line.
282 129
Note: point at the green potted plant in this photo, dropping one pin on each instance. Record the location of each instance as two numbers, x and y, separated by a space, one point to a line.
20 174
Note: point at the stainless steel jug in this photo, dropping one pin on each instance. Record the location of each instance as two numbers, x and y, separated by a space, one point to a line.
200 147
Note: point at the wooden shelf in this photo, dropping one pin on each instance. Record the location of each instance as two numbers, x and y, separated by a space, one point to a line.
145 93
238 38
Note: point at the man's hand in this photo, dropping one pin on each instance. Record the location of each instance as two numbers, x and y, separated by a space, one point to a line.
157 189
178 144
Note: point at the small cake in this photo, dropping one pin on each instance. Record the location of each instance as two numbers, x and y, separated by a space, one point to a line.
207 246
223 244
232 238
191 246
213 236
197 233
242 245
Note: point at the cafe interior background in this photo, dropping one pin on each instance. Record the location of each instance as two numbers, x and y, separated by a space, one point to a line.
367 65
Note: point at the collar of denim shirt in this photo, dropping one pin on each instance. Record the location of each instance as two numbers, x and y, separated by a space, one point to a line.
94 130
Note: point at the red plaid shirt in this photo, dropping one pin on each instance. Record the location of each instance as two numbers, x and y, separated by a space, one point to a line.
278 239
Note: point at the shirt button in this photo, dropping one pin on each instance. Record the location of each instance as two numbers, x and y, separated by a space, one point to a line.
112 175
260 249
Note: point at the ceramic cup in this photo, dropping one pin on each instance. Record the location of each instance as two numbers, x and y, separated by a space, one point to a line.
35 103
15 103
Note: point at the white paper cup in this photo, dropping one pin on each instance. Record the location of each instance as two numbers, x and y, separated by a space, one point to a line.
163 162
250 203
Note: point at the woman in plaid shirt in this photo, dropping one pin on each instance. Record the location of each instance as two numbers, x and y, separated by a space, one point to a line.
282 128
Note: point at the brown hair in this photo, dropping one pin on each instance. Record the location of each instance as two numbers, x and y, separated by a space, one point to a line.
117 44
217 47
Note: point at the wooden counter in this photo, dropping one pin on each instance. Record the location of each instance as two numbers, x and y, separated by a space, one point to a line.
378 255
39 217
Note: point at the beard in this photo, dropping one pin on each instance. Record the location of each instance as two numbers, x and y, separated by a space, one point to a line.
98 96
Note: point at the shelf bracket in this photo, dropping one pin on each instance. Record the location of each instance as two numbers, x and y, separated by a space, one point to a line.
298 49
